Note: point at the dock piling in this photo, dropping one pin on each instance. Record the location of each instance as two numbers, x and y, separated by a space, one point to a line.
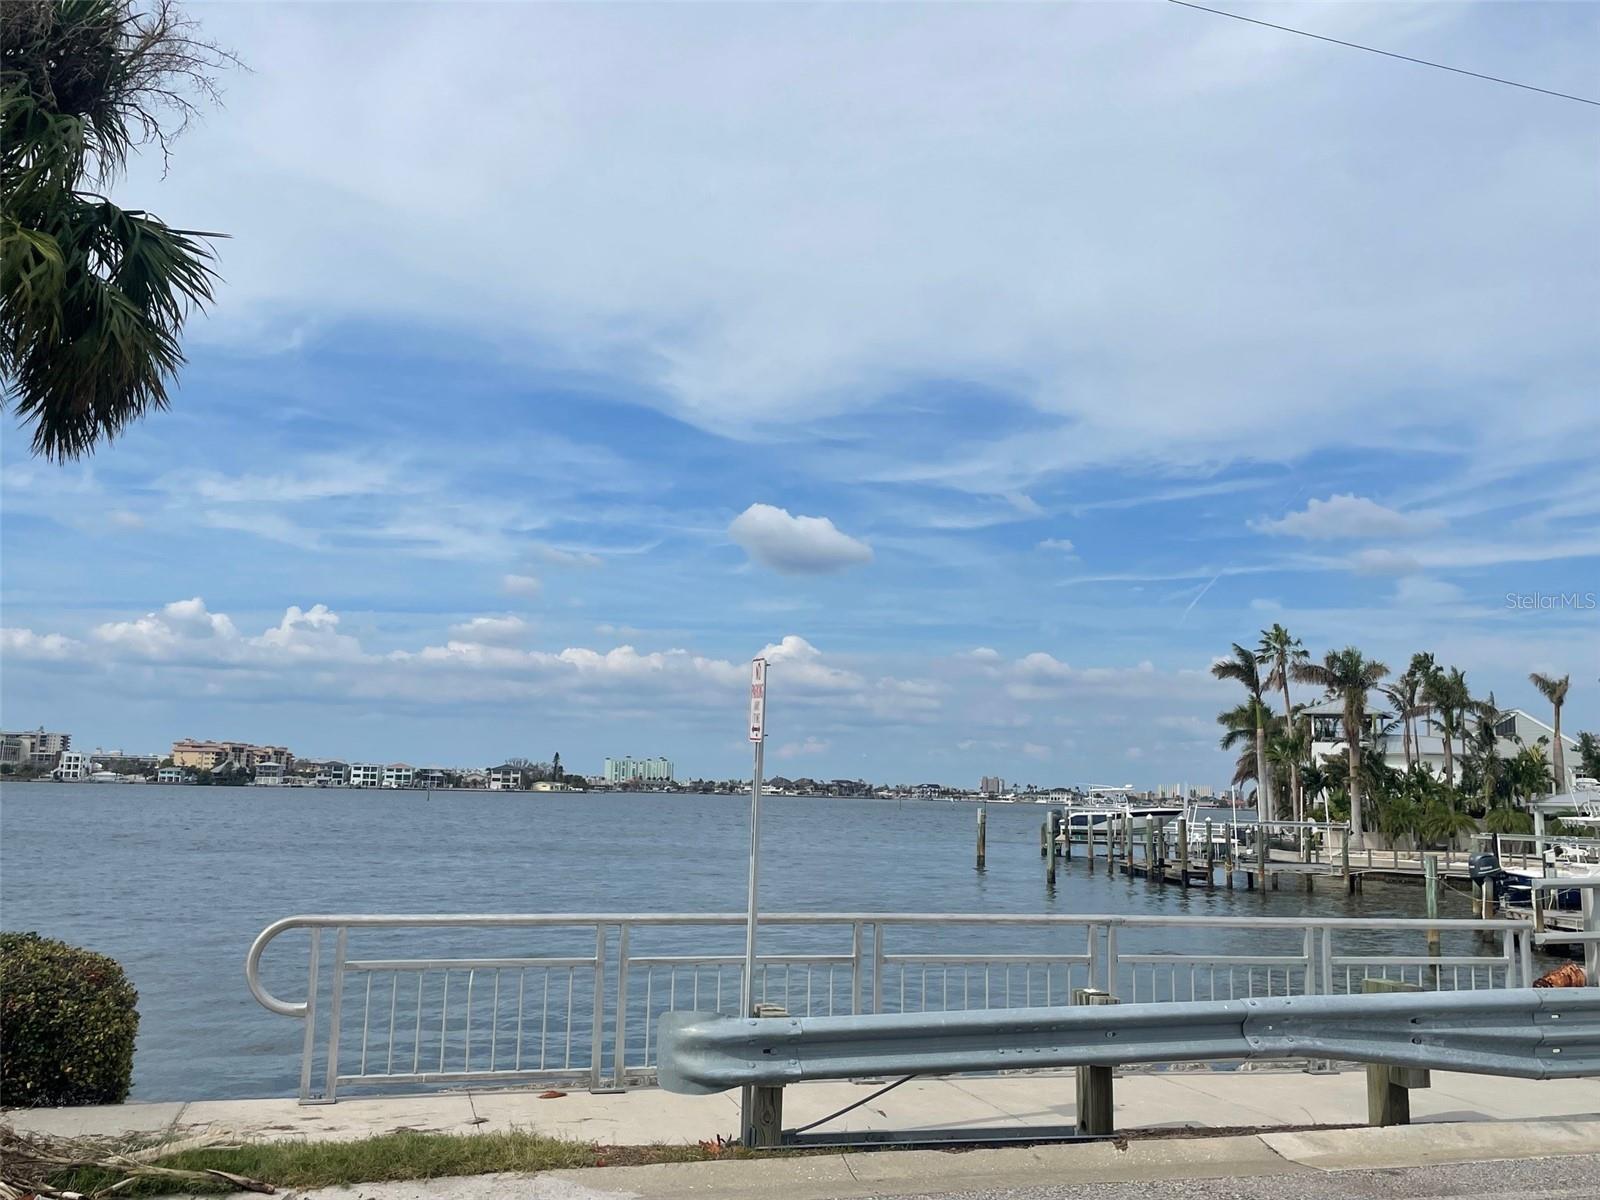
983 829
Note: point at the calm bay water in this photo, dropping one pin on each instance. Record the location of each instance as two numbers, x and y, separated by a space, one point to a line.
175 882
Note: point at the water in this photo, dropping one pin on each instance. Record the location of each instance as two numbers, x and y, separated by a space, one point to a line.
175 882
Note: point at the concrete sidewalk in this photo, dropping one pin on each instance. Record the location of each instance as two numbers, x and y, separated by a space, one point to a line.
1145 1100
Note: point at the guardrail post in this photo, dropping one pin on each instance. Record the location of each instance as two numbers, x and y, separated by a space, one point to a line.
310 1047
761 1108
1096 1111
1389 1088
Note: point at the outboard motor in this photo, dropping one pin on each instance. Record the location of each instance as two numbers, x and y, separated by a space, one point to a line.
1484 866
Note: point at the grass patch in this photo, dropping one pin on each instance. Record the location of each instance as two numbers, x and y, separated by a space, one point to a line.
386 1158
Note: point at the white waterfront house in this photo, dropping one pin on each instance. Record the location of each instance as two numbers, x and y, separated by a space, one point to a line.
269 774
398 775
172 775
366 775
73 766
506 778
1513 730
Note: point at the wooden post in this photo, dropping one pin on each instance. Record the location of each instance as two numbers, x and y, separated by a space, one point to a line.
1149 847
1430 877
1344 852
1044 838
761 1108
1211 857
1127 844
1095 1107
983 833
1233 843
1389 1088
1488 900
1049 854
1183 851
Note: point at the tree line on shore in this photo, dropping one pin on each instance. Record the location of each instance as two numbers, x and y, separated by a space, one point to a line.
1427 699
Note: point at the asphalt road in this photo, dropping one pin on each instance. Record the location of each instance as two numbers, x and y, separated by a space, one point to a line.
1566 1178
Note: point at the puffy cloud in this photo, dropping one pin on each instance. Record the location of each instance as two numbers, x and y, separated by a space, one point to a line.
1349 516
175 630
797 663
795 545
47 647
491 631
520 585
309 634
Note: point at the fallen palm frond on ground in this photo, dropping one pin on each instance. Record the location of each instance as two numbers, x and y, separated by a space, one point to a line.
33 1164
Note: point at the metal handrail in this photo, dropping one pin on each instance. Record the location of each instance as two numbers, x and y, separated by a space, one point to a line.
597 1004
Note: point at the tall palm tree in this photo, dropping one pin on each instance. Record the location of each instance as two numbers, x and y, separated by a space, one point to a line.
1452 705
1403 695
1282 650
1555 691
1421 668
1245 668
1286 750
1348 674
1239 725
93 297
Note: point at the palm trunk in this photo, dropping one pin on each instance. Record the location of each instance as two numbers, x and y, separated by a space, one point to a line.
1353 759
1558 757
1405 735
1263 776
1449 754
1294 767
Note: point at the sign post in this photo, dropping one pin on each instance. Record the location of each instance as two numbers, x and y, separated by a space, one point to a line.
758 735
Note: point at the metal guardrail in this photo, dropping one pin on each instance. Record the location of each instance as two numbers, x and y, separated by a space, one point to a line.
1526 1033
572 999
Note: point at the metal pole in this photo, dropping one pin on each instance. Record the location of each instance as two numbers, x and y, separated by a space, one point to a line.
758 735
748 1005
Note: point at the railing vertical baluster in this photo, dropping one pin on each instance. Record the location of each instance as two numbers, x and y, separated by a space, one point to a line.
522 995
494 1019
416 1047
466 1054
394 998
444 1019
620 1066
366 1019
598 1021
331 1091
572 979
877 966
310 1047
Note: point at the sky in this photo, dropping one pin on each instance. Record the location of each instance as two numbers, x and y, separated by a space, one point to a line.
989 368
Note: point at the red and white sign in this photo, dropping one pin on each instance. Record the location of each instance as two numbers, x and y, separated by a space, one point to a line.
758 699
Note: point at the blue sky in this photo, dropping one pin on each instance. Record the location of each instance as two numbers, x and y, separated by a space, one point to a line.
996 366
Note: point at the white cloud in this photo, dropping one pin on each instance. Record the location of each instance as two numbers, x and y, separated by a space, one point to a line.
1421 592
173 631
1349 516
795 545
520 585
491 631
560 557
47 647
809 748
1062 545
123 519
1381 561
1035 751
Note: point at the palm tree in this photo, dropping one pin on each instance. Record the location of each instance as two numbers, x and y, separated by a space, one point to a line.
1589 754
1240 724
1421 668
93 296
1285 752
1555 691
1314 782
1349 675
1245 668
1283 651
1454 708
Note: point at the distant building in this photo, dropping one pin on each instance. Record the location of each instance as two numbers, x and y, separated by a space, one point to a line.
269 774
33 748
73 765
506 778
172 775
550 785
992 785
398 775
366 775
218 756
638 770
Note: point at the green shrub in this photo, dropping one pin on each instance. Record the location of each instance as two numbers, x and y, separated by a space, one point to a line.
67 1022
